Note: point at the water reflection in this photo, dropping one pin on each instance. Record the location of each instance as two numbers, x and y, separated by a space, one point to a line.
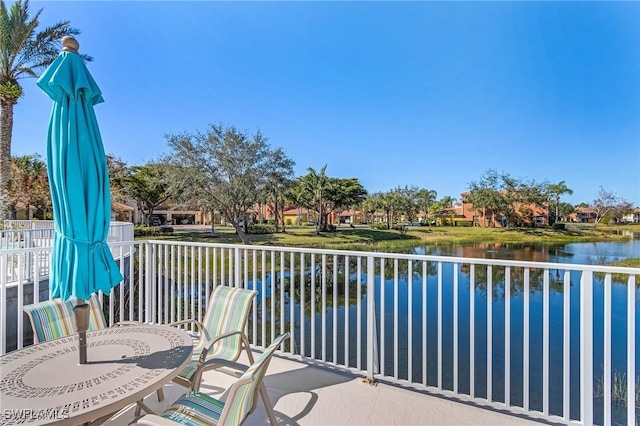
407 340
593 253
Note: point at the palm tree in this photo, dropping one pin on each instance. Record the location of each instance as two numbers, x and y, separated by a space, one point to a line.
24 52
555 190
426 198
314 186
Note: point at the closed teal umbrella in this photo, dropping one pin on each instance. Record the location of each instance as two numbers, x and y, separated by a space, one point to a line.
81 262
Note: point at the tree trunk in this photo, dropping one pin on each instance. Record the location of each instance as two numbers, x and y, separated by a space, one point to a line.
241 233
275 211
213 222
284 230
6 129
149 215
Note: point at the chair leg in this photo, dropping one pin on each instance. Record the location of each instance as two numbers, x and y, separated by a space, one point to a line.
196 381
267 405
247 347
160 393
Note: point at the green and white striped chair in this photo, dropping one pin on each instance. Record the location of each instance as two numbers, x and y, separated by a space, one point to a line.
198 409
221 333
53 319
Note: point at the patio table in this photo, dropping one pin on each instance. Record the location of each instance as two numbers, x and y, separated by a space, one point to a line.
44 384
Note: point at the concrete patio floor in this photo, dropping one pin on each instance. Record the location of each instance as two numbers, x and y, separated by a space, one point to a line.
305 394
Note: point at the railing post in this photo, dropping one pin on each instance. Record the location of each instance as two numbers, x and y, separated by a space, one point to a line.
237 269
586 347
4 261
372 338
28 243
631 349
147 282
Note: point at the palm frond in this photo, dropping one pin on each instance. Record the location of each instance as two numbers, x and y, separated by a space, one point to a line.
24 51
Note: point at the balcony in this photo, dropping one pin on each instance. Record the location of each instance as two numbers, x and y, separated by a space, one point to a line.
448 339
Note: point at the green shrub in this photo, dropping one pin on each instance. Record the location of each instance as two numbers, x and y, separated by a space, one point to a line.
331 228
255 228
559 225
151 231
288 222
144 231
379 225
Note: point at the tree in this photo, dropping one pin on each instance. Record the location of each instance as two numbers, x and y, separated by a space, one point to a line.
405 202
555 191
313 191
564 210
388 202
369 206
620 210
485 194
24 52
227 169
443 208
425 199
117 171
147 185
344 194
606 202
29 185
501 194
277 182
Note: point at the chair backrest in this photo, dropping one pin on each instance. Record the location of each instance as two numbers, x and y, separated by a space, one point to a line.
53 319
228 311
244 393
96 316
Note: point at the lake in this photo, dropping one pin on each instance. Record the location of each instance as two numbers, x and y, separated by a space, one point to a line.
575 253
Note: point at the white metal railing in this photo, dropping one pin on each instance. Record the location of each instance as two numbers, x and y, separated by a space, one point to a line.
39 233
551 332
27 224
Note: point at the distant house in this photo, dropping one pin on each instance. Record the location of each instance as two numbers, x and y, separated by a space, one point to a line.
583 215
297 216
121 212
632 217
464 213
354 217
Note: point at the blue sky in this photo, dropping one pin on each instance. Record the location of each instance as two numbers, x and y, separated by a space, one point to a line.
430 94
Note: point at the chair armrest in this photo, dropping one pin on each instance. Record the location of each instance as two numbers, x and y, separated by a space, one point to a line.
153 420
201 330
211 342
216 363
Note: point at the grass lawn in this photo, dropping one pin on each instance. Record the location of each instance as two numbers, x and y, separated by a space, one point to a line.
364 238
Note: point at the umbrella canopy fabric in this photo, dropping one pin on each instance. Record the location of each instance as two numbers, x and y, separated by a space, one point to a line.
81 262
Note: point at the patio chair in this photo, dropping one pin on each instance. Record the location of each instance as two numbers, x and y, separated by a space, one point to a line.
221 333
54 319
197 408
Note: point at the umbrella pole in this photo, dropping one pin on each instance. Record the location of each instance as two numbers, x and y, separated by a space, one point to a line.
81 311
